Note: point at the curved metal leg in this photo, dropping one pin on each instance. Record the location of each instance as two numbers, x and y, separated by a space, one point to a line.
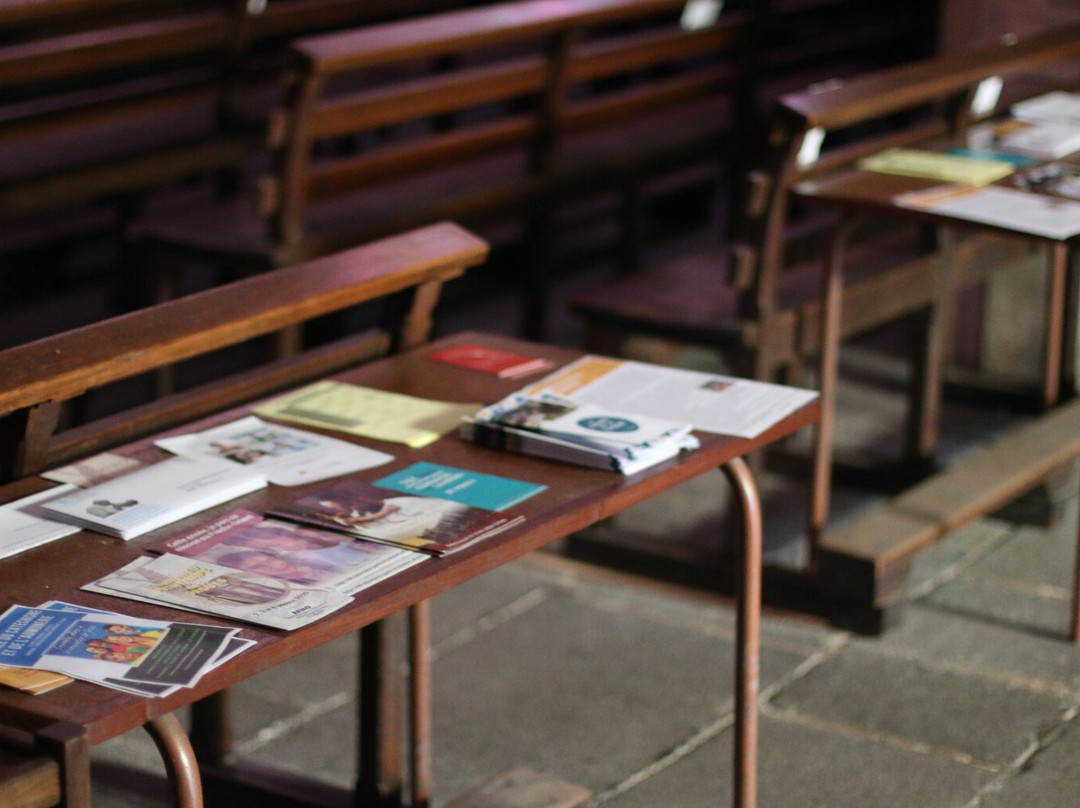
748 649
179 759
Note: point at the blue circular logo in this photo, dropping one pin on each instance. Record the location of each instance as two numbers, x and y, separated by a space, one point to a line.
607 423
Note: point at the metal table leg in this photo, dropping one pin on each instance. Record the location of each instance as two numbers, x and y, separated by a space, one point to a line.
748 620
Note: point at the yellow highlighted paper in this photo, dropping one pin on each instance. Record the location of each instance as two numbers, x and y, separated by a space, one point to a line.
369 413
934 166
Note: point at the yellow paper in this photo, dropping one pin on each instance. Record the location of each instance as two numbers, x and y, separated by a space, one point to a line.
32 681
934 166
369 413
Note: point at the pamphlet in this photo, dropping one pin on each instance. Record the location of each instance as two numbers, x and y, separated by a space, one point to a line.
286 456
1008 208
233 646
433 525
23 523
1059 179
29 680
469 487
100 646
707 401
94 470
214 589
244 540
1058 106
1044 140
368 412
154 496
504 364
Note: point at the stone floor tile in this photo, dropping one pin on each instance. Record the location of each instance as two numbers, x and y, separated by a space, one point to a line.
964 715
811 767
1051 779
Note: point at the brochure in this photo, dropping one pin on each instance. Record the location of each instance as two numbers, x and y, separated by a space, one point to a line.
469 487
215 589
23 523
433 525
368 412
231 648
1009 208
1058 106
154 496
244 540
284 455
32 681
101 646
504 364
1045 140
707 401
94 470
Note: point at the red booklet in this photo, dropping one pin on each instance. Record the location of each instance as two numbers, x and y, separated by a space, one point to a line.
504 364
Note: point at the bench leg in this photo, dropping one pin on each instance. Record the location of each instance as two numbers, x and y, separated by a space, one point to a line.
1055 324
179 759
1074 622
67 743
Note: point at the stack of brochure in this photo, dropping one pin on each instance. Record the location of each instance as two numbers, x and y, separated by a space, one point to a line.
560 428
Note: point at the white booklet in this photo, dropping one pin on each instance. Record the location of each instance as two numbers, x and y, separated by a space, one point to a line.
23 524
286 456
202 586
154 496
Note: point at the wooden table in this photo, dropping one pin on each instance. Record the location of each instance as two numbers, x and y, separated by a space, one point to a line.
575 498
857 192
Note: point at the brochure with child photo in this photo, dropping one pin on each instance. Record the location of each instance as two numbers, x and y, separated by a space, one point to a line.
247 541
430 524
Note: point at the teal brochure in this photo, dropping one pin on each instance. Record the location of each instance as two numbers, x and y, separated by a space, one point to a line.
458 485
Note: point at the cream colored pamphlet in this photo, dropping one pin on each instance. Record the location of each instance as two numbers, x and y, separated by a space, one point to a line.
369 413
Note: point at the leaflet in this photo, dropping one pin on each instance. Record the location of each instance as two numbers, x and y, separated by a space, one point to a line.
709 402
286 456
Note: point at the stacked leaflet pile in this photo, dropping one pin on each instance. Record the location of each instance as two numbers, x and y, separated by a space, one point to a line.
560 428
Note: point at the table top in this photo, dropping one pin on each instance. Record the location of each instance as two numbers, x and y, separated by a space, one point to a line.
869 192
575 498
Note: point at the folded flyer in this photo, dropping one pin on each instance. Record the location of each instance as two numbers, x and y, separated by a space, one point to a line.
154 496
284 455
202 586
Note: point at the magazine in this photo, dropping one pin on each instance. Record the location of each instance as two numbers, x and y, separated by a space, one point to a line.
244 540
154 496
202 586
433 525
286 456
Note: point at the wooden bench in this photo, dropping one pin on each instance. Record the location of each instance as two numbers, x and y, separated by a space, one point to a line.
864 561
106 106
403 274
498 116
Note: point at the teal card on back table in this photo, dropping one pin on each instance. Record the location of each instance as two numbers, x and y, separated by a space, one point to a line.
459 485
